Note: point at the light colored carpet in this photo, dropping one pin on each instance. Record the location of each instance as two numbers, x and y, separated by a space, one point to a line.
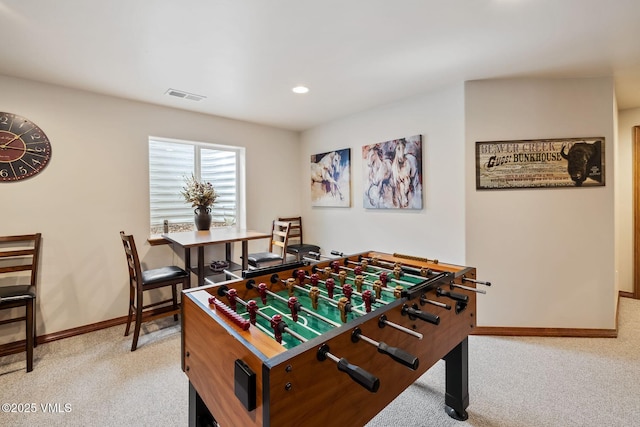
94 380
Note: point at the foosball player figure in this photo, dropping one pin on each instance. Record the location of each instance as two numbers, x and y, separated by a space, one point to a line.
347 291
314 279
278 326
335 266
294 306
384 278
364 264
300 275
342 277
326 273
397 292
374 260
290 283
359 281
252 308
357 270
232 294
313 295
424 271
366 297
397 271
343 306
262 290
330 284
377 288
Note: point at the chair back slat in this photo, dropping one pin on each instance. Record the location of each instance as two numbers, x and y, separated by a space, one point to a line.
131 254
20 253
280 237
295 230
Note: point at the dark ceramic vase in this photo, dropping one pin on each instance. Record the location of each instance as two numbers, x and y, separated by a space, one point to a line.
202 217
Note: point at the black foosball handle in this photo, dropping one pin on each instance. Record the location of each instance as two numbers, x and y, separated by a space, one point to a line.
399 355
415 313
359 375
453 295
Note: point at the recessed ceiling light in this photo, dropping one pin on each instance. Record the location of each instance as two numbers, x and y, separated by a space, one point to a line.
300 89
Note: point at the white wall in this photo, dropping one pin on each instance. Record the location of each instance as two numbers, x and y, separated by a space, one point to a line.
548 252
627 119
436 231
96 184
550 266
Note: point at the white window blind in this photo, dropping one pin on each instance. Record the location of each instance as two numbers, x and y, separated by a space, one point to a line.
170 162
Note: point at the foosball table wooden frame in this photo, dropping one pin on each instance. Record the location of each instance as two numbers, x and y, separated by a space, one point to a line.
240 376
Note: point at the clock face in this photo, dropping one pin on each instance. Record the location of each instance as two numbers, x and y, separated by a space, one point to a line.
24 149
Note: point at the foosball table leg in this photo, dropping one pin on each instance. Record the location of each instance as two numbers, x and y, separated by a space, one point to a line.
199 415
457 381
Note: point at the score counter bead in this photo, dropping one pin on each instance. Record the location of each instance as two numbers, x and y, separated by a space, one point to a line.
243 323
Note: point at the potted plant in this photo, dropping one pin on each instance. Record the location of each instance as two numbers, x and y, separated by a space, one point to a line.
201 195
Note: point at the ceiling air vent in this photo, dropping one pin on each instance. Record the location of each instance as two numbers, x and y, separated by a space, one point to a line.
185 95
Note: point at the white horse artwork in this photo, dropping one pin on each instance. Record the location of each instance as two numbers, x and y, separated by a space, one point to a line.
392 174
330 180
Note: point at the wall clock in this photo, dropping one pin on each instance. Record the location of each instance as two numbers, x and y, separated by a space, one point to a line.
24 148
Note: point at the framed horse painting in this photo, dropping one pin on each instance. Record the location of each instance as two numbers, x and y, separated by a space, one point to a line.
392 174
331 179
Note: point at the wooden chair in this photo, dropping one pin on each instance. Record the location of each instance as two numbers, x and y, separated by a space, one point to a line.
141 281
277 253
18 276
296 245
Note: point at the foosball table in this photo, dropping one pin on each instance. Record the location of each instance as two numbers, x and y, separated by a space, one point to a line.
302 344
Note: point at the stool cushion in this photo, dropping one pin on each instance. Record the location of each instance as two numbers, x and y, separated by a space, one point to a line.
261 258
304 248
161 274
26 291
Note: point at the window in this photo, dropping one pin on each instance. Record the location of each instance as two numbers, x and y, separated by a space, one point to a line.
170 161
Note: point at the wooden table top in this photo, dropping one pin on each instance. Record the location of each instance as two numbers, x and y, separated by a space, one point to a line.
190 239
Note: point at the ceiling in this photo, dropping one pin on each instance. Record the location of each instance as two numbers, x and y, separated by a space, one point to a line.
244 56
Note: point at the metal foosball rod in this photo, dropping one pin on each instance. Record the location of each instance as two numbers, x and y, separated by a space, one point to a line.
398 281
424 300
381 322
479 282
314 279
276 321
467 288
403 269
316 256
299 307
377 288
395 353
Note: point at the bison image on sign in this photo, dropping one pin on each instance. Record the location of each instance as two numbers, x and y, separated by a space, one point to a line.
540 163
584 161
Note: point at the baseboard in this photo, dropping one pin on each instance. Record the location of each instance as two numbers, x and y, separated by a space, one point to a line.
553 332
545 332
19 346
624 294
